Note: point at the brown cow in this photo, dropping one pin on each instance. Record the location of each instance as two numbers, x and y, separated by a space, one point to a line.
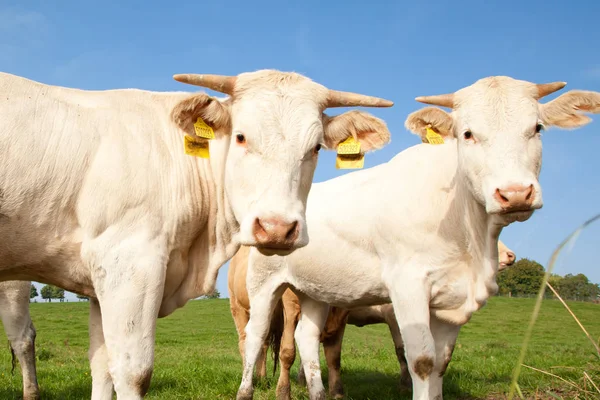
281 333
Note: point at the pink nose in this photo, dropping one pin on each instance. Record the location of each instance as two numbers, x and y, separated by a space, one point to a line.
275 233
511 258
515 198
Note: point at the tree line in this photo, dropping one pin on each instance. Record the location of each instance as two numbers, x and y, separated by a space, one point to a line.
525 276
50 292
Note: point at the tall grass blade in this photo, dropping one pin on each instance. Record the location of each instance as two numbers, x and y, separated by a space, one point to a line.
538 303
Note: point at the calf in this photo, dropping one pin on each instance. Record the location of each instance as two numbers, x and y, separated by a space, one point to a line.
420 231
14 313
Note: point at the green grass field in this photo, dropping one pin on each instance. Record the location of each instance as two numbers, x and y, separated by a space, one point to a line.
197 356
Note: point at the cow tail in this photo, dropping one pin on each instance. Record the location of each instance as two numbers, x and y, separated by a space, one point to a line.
276 333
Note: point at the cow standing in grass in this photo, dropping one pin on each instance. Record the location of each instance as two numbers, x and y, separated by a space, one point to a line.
14 313
420 231
98 197
287 314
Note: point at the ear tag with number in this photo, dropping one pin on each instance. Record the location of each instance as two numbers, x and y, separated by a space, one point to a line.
195 147
433 137
203 130
349 155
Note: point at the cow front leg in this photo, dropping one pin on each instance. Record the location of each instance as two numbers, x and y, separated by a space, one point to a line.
332 347
444 336
128 277
102 387
262 304
21 335
409 295
312 320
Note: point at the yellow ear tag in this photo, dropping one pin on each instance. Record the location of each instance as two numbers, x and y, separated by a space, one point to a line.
349 155
433 137
203 130
196 148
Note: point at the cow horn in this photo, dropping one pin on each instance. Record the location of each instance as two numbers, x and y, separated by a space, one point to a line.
443 100
347 99
544 89
220 83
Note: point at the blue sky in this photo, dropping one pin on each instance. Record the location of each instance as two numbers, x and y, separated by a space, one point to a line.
397 50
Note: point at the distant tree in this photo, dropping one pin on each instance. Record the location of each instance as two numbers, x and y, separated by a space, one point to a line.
58 293
214 295
33 292
578 287
82 297
47 293
523 278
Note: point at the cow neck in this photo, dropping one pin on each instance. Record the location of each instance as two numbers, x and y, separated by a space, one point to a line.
222 228
479 239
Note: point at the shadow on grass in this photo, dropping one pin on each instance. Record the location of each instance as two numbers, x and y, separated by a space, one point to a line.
81 390
365 384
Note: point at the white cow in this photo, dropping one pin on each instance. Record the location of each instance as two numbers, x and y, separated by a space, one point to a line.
14 313
420 231
98 197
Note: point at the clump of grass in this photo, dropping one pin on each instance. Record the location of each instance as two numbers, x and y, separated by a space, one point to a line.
514 386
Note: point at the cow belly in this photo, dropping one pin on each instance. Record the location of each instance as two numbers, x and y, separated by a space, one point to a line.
342 279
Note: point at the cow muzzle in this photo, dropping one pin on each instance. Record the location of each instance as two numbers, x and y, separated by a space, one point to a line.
275 234
515 198
507 258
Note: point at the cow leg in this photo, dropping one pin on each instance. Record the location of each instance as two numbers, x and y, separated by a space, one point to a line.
287 351
405 380
444 336
128 276
333 353
21 335
312 320
262 305
411 308
102 387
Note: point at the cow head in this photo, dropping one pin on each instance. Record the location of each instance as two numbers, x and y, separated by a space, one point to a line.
506 257
275 125
497 123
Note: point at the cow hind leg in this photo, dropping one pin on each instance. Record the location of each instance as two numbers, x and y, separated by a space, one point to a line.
262 305
128 277
102 386
21 335
332 347
405 380
312 320
287 352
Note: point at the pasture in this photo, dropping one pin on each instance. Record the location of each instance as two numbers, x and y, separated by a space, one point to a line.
197 355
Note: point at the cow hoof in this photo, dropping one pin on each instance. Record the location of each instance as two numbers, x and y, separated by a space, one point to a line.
318 396
244 394
283 393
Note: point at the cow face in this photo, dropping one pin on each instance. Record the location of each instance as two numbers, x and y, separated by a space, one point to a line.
276 126
497 123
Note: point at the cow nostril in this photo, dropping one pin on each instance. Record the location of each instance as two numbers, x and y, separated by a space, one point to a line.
529 192
293 231
501 196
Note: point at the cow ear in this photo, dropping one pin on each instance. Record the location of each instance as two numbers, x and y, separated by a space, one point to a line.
213 112
566 111
437 119
370 131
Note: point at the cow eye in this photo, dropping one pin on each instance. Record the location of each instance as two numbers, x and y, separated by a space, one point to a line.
241 139
317 148
468 135
539 128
